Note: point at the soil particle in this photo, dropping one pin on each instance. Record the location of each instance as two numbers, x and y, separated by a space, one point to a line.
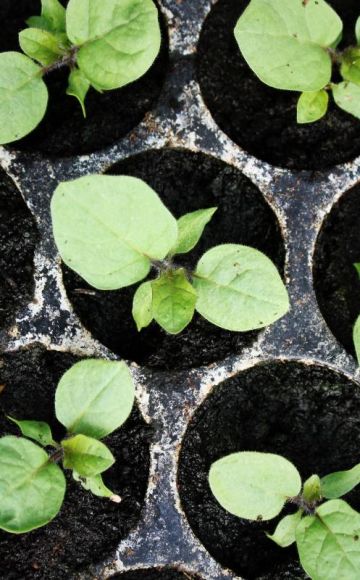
307 413
87 529
185 182
260 119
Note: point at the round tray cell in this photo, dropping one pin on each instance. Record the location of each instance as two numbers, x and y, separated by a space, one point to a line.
155 574
304 412
336 281
18 238
110 116
186 182
88 528
260 119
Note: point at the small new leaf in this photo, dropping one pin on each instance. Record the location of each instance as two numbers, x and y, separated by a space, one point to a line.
337 484
41 45
356 338
78 87
96 485
174 301
347 97
284 534
87 456
357 268
142 305
37 430
357 31
350 65
312 106
191 227
55 14
312 489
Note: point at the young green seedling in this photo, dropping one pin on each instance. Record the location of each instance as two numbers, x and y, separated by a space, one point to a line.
293 45
256 486
356 329
93 398
105 44
114 230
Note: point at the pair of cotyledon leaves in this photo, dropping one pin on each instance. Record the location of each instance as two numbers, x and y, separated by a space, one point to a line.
288 44
93 398
256 486
115 41
112 229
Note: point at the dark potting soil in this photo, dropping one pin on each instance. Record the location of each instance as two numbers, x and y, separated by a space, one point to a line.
88 528
155 574
185 182
111 115
336 281
18 238
260 119
307 413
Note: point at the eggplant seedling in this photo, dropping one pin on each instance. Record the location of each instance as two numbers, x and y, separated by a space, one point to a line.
256 486
293 45
93 398
105 44
114 230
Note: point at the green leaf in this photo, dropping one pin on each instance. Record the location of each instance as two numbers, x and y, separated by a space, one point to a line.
94 397
142 305
239 288
174 301
96 485
337 484
37 430
284 42
32 488
54 13
254 486
312 489
350 65
356 338
329 543
284 534
191 227
312 106
357 268
357 30
23 96
347 97
109 228
39 22
41 45
78 87
119 39
87 456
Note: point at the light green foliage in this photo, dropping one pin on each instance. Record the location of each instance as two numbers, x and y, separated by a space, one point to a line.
119 39
142 305
42 45
328 543
254 485
312 489
53 17
37 430
350 66
173 302
109 228
284 42
284 534
23 96
340 483
357 30
31 488
87 456
96 485
312 106
191 227
239 288
356 338
357 268
347 97
78 87
94 397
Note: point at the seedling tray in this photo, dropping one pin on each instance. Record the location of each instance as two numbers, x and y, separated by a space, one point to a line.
199 138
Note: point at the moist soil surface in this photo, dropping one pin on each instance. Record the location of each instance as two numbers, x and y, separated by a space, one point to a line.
260 119
185 182
307 413
336 281
155 574
18 238
111 115
87 529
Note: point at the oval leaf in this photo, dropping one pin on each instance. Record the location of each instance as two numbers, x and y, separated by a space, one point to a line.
96 485
78 87
356 337
239 288
337 484
329 545
312 491
174 301
108 228
37 430
54 13
23 96
120 38
41 45
31 487
254 486
312 106
142 305
347 97
191 227
357 31
87 456
350 65
283 42
94 397
284 534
